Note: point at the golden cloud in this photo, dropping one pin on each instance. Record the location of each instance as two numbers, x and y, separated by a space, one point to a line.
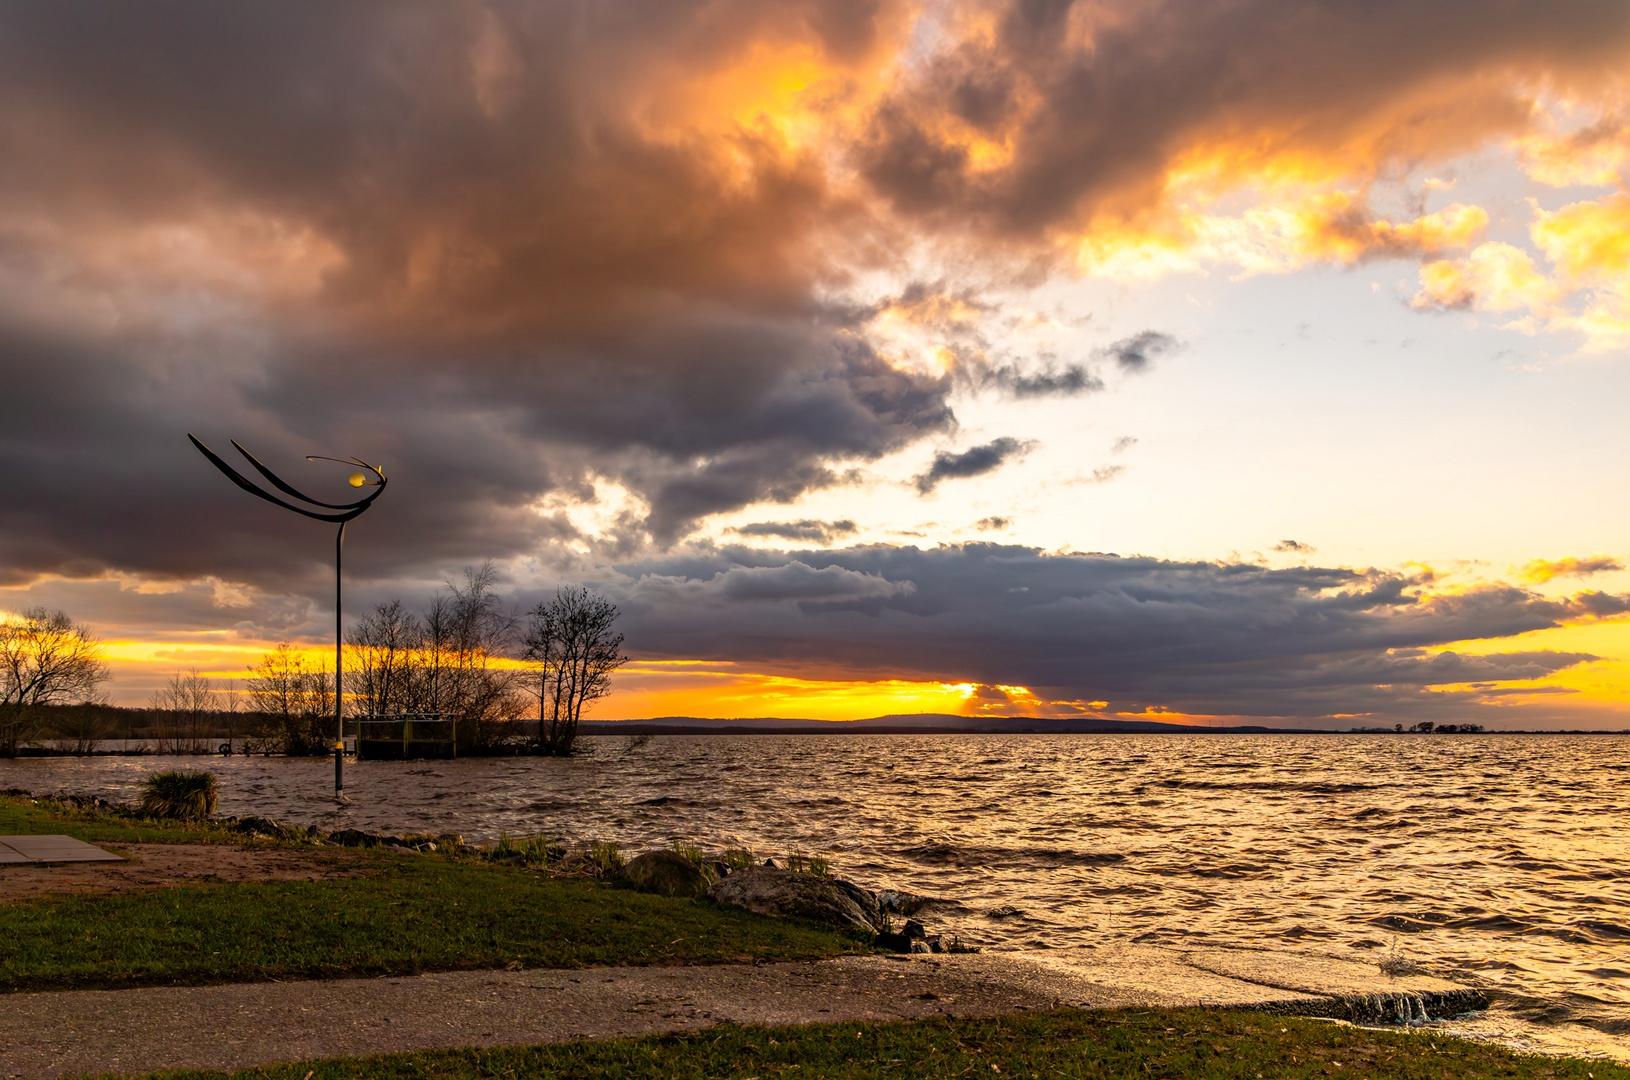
1539 571
1587 245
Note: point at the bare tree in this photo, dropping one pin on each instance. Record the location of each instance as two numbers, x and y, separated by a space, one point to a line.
442 663
45 659
186 704
465 629
573 651
84 727
293 700
385 660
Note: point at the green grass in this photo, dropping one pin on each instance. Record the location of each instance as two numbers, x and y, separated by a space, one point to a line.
395 914
22 817
1138 1045
406 914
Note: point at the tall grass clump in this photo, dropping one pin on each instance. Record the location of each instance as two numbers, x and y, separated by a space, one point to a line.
740 859
179 795
815 865
606 856
690 853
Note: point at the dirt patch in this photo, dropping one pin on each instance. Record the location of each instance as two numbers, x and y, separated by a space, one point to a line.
162 866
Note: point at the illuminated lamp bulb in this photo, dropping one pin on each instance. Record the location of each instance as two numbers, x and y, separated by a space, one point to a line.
357 479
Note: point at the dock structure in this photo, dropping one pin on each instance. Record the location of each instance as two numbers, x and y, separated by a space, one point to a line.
407 736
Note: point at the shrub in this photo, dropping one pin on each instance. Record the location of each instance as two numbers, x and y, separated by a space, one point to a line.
178 794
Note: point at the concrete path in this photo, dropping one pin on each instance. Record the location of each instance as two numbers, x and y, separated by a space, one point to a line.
50 848
234 1027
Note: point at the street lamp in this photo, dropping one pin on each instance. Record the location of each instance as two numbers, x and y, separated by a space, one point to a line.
341 513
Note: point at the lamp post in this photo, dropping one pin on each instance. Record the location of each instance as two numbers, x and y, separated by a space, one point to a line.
337 512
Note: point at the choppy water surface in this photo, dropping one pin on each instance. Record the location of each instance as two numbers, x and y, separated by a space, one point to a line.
1498 859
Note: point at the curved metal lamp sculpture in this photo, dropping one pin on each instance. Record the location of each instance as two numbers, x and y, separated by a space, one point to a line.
334 512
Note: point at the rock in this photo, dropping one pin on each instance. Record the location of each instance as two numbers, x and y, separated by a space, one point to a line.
666 872
720 869
892 942
1006 911
901 903
935 943
915 929
772 862
769 890
919 946
358 838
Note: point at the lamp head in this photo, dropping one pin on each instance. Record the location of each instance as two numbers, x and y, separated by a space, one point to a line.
357 479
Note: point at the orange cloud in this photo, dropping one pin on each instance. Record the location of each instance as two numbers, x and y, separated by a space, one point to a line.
1495 277
1281 234
1540 571
1595 155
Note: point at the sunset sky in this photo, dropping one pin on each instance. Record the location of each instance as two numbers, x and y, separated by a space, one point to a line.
1199 361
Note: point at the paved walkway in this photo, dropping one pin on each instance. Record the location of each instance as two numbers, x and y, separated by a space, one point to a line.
234 1027
51 848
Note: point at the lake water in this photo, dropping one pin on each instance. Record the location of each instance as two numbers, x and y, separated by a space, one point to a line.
1499 860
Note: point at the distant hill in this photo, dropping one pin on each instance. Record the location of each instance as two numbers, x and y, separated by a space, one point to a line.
899 724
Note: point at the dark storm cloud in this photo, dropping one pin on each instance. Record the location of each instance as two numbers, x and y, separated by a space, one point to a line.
440 236
1208 638
1096 100
975 461
516 250
805 531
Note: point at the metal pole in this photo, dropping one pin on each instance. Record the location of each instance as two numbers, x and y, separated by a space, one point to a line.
344 512
339 697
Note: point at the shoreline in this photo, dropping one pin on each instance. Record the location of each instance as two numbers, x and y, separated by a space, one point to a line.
1312 977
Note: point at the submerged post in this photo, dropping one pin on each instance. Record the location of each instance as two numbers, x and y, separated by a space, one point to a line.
339 669
341 513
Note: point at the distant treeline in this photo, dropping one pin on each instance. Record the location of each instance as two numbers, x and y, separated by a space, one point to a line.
87 728
1425 727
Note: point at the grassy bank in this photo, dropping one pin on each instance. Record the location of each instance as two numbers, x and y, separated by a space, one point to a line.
395 914
28 817
1137 1045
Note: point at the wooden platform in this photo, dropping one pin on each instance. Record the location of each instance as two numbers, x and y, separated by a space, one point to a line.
51 849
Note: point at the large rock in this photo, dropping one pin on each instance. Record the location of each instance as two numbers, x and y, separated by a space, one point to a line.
769 890
666 872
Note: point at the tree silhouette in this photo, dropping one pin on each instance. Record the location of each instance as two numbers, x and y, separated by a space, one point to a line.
573 650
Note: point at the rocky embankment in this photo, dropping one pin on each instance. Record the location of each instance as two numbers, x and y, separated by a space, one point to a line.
780 892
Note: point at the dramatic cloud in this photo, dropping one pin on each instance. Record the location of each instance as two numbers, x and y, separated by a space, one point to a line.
1131 633
647 263
976 461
